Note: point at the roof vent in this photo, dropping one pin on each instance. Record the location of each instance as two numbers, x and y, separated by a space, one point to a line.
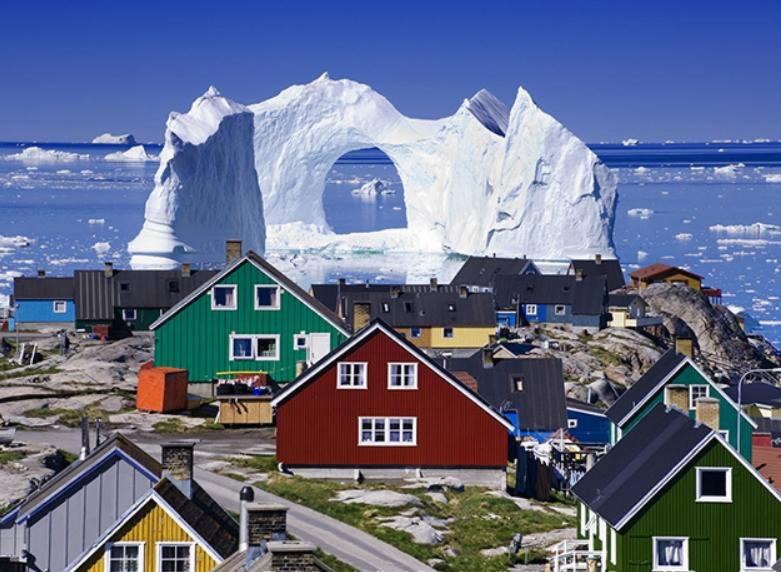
108 269
41 273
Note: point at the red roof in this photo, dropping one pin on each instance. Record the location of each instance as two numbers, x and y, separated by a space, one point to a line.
767 460
660 270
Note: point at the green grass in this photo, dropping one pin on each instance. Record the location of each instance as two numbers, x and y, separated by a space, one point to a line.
67 456
236 477
172 425
10 457
479 520
333 562
259 463
31 372
67 417
605 356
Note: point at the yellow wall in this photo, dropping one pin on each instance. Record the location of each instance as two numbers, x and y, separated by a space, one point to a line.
692 283
619 317
462 337
424 341
150 526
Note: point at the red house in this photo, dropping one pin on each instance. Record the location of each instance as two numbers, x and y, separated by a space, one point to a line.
378 405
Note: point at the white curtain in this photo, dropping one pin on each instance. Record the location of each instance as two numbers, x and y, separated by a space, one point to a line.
670 552
758 554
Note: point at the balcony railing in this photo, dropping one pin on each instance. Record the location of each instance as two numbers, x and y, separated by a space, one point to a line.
572 555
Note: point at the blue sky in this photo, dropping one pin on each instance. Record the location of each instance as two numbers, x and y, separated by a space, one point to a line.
609 70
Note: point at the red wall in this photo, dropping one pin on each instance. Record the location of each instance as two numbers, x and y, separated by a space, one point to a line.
318 425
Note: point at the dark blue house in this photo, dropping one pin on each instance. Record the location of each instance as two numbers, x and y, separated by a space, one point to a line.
587 424
44 301
579 301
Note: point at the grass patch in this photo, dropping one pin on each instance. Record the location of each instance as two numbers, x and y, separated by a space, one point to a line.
605 356
259 463
172 425
29 372
67 456
333 562
478 520
67 417
10 457
210 425
235 477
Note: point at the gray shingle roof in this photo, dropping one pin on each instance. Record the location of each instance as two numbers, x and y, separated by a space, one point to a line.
639 462
481 270
758 392
610 268
587 296
43 288
650 379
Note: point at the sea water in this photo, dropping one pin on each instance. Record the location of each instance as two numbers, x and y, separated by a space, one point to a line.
674 202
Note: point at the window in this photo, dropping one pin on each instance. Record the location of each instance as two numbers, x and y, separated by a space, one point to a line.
451 307
518 382
402 376
129 314
415 332
300 341
60 306
572 423
559 309
714 484
266 297
224 298
385 307
173 286
124 557
241 347
408 306
695 392
124 286
387 431
671 553
352 375
531 309
175 558
267 347
757 553
447 333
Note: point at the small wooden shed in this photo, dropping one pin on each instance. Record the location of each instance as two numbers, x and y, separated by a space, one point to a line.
161 389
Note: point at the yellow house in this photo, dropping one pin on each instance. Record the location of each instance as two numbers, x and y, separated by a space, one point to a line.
659 272
449 337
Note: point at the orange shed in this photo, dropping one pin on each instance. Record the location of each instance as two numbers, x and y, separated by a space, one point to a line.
161 389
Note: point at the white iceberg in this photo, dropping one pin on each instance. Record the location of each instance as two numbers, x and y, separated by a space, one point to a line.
109 139
683 236
756 229
630 142
728 171
373 188
773 178
38 155
11 243
536 190
640 213
135 154
101 248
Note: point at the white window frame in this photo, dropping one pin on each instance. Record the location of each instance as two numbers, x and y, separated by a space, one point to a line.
110 545
257 337
251 338
563 310
724 434
692 400
572 423
452 333
684 565
725 499
297 337
365 376
412 333
64 304
125 317
388 442
773 555
268 287
235 297
159 548
414 384
530 309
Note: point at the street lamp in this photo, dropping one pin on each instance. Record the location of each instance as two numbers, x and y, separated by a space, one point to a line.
740 392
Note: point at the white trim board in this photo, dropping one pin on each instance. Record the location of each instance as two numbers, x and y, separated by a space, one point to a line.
419 355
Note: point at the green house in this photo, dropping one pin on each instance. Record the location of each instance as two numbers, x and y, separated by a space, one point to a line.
672 495
676 380
248 318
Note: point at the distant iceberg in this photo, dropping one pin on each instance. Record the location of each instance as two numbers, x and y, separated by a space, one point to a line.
728 170
640 213
630 142
755 229
774 178
109 139
373 188
38 155
135 154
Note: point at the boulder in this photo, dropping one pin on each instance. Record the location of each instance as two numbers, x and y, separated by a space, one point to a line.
376 498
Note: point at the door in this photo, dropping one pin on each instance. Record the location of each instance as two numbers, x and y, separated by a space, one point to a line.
319 345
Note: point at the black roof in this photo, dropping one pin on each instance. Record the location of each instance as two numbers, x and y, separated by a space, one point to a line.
610 268
327 295
757 392
587 296
204 515
97 295
577 404
43 288
481 270
767 425
413 305
639 462
622 299
541 404
643 386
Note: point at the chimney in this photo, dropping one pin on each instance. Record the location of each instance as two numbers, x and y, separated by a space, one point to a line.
598 258
108 269
395 292
578 275
186 271
41 273
177 463
342 282
433 283
463 291
292 555
707 412
232 251
246 496
677 396
265 522
488 358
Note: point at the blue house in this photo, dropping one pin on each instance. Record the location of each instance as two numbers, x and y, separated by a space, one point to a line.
587 424
44 302
579 301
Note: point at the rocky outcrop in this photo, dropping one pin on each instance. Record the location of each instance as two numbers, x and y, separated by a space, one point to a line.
722 343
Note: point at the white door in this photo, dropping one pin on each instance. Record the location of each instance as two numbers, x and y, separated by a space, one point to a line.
319 345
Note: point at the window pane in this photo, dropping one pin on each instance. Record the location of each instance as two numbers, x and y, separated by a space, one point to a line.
267 297
379 430
223 296
669 552
183 552
756 553
242 347
267 347
713 483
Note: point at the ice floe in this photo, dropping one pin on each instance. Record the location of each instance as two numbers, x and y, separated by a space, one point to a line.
640 213
108 138
135 154
38 155
755 229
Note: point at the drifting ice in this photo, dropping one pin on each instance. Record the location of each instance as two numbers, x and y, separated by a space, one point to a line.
373 188
135 154
108 138
482 181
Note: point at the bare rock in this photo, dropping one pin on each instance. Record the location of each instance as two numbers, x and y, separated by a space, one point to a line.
419 528
376 498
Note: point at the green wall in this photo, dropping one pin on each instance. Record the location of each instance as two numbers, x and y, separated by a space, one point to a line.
197 338
728 413
714 529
